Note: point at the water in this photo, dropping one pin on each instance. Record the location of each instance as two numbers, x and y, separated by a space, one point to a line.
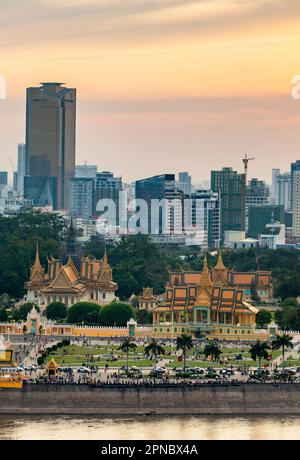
150 428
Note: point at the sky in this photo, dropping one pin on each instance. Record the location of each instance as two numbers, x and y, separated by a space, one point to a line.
162 85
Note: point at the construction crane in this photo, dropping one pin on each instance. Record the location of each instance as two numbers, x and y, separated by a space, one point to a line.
246 161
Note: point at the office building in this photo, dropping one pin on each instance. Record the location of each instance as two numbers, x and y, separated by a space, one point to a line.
3 178
50 140
22 166
152 190
85 170
294 168
108 187
231 187
281 188
261 215
41 191
202 213
184 183
296 203
81 197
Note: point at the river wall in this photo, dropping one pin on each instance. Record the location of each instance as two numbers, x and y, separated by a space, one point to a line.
206 399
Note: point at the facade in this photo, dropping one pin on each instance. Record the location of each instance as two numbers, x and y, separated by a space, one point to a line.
65 283
3 178
296 204
205 216
281 188
81 196
231 188
184 183
154 188
108 187
50 136
273 236
261 215
42 191
294 168
147 301
21 168
86 170
205 303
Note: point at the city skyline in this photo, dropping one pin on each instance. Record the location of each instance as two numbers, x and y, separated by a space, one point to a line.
178 83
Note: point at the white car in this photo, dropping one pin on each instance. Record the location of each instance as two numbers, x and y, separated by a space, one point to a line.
83 370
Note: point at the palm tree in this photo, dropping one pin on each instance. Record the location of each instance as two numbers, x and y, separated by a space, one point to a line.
259 350
155 348
212 349
184 343
284 342
126 346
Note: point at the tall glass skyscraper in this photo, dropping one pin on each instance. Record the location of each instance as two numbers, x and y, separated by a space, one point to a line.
231 187
50 139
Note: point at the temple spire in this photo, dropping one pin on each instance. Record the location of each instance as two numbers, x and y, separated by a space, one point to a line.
105 256
220 265
37 262
205 279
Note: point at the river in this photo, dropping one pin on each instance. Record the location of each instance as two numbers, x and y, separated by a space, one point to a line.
149 428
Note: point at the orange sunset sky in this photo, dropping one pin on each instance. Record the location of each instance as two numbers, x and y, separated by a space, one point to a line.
163 85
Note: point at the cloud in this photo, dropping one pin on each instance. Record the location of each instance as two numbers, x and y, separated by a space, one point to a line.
123 21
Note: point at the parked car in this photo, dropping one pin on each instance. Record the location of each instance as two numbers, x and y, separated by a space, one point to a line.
83 370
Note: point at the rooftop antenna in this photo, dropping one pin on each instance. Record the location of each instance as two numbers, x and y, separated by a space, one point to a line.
246 161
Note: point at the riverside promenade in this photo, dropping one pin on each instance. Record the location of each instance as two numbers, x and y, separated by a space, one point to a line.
250 398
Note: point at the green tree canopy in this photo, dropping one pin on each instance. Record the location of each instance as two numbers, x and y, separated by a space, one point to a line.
3 314
83 312
56 311
263 318
22 313
212 349
116 314
144 317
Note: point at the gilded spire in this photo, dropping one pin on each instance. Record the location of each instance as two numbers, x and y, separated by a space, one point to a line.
205 276
105 257
220 265
37 262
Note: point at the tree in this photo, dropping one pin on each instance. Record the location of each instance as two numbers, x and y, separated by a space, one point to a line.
284 342
3 314
290 302
22 313
81 312
126 345
143 317
263 318
212 349
155 349
259 350
116 314
56 311
184 343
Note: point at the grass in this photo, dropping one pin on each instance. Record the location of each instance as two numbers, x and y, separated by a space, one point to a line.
76 355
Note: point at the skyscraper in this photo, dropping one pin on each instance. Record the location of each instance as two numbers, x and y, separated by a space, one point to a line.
294 168
86 170
281 188
296 203
21 168
3 178
231 187
50 140
81 197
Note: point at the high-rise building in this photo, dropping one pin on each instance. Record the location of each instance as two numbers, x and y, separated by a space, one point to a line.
108 187
296 203
294 168
41 191
3 177
261 215
205 215
185 183
50 139
21 168
281 188
157 188
85 170
231 187
81 197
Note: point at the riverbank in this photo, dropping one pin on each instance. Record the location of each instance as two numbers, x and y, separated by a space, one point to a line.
173 400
